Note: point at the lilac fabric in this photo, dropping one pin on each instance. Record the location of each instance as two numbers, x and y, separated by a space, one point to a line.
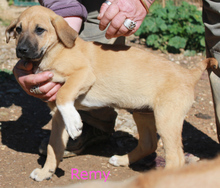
66 8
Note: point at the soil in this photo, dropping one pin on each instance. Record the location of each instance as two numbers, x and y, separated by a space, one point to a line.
25 121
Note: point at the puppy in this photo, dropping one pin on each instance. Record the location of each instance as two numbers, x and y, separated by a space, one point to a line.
97 75
200 175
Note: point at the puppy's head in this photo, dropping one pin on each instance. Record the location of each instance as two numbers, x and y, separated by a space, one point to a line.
37 30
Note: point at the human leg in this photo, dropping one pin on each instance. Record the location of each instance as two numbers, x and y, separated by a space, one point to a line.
211 19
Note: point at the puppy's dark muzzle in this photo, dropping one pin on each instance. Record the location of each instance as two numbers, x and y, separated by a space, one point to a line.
28 51
22 51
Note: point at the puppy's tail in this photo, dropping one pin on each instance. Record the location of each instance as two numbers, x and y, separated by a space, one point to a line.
209 63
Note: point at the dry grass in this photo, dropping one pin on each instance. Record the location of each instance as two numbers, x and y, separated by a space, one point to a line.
9 14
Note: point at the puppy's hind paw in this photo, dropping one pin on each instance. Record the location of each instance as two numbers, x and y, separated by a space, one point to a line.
39 175
117 160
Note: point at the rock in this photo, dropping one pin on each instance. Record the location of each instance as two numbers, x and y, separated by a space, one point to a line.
190 158
203 116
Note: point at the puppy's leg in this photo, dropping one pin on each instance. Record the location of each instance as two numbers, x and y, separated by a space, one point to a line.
147 143
78 83
66 118
55 149
169 122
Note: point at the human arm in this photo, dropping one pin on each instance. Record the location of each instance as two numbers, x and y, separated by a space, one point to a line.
72 11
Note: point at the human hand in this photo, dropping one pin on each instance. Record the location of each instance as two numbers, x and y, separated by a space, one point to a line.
115 14
27 80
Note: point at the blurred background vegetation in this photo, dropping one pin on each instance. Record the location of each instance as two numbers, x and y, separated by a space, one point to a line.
174 28
198 3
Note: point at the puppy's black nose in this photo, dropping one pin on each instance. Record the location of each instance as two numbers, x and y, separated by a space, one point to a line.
22 49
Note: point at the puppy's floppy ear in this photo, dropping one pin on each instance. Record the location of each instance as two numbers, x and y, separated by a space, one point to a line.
65 33
9 32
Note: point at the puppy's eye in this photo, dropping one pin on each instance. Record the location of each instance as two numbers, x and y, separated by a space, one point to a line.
18 30
39 30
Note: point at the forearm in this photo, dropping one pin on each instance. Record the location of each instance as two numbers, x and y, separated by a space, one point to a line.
67 8
74 22
72 10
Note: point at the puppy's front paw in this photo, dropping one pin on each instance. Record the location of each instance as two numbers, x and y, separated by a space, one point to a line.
117 160
40 175
74 128
72 119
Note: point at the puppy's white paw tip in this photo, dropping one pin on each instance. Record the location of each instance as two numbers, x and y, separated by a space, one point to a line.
40 175
34 174
74 134
113 161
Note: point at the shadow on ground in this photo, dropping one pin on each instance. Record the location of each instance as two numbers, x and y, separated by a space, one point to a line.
25 133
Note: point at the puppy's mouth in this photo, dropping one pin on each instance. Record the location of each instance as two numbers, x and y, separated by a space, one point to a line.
29 51
31 56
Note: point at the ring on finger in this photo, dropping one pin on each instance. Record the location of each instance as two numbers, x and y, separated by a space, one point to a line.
35 90
129 24
108 2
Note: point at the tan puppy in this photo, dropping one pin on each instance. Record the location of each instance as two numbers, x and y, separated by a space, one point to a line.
97 75
204 174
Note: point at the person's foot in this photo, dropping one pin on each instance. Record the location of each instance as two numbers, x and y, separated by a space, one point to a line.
90 135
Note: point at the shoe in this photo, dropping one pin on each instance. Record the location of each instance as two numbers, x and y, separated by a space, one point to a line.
90 136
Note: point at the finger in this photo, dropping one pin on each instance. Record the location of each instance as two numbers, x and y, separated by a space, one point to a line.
116 26
47 87
54 93
51 94
109 14
37 79
23 65
19 73
138 24
118 34
103 9
53 98
122 30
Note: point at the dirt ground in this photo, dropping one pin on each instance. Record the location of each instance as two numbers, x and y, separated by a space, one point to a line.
25 121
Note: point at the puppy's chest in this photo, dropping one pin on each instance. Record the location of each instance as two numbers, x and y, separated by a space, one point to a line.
85 102
98 99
